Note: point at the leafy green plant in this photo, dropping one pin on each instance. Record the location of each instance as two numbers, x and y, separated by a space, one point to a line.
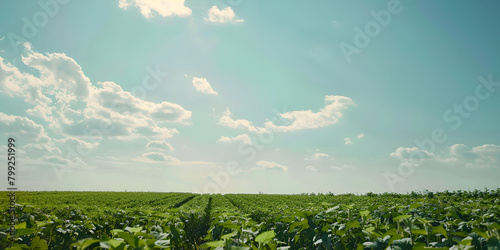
99 220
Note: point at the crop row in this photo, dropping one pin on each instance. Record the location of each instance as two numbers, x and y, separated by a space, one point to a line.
89 220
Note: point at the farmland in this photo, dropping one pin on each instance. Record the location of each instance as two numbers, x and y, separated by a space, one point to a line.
114 220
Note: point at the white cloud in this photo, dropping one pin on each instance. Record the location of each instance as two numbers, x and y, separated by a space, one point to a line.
343 167
55 159
38 149
348 141
243 138
58 163
111 96
79 114
297 120
227 121
159 157
159 145
59 73
321 161
412 154
486 150
65 98
311 168
226 15
308 119
19 84
28 130
77 143
272 165
318 156
163 7
485 156
202 85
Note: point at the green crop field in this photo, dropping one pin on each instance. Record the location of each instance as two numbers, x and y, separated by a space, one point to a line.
124 220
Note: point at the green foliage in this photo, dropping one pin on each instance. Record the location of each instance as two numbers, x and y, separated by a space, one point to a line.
95 220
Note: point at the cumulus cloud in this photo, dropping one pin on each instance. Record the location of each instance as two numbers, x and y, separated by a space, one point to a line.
111 96
164 8
462 151
77 113
295 120
243 138
321 161
201 85
159 157
55 159
23 127
272 165
348 140
318 156
227 121
59 164
59 73
226 15
38 149
307 119
74 142
46 93
343 167
36 144
65 98
159 145
484 156
412 154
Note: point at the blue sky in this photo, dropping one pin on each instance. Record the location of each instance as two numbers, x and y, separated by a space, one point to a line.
251 96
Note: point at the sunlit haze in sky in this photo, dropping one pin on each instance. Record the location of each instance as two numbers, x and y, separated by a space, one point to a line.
251 96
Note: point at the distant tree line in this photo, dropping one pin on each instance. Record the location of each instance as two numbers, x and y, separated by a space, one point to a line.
429 194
